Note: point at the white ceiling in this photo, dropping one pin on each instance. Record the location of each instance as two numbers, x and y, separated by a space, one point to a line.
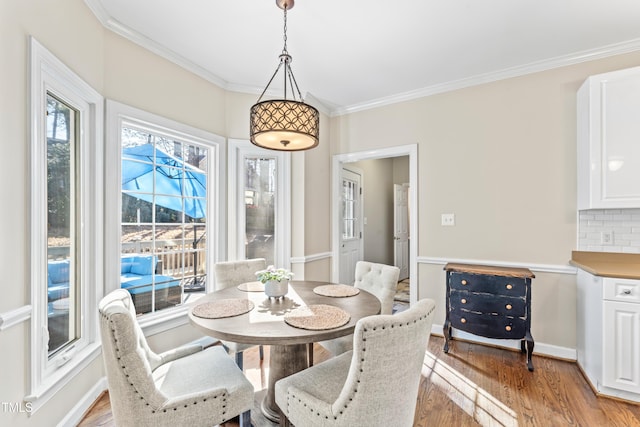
353 54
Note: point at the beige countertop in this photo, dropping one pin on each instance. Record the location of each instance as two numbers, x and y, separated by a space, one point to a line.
609 264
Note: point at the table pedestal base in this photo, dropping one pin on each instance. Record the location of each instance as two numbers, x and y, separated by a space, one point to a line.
284 360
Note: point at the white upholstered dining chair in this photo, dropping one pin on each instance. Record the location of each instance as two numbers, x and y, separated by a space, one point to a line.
379 279
375 384
233 273
185 386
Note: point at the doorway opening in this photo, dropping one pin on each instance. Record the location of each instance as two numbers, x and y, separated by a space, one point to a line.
387 236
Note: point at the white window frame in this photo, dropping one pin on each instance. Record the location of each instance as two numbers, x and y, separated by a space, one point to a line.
117 115
49 74
238 150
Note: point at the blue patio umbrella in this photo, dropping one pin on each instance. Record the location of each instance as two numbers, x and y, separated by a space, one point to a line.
173 179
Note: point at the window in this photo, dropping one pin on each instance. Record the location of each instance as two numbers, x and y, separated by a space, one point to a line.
260 220
164 218
165 204
66 224
260 193
62 286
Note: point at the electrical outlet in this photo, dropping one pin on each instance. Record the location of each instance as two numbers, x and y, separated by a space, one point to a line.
448 219
606 238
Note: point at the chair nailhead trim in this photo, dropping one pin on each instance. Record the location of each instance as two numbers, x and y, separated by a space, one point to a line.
362 360
124 368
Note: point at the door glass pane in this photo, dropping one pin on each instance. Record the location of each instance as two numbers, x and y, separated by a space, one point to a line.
61 234
164 223
348 209
259 198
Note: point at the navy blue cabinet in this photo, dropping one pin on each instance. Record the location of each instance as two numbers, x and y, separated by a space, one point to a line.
493 302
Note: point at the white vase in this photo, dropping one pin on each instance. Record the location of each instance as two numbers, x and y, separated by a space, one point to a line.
276 288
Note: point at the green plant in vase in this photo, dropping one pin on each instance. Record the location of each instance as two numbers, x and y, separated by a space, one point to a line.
276 281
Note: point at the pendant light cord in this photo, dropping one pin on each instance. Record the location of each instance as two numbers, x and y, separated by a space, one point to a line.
288 73
284 49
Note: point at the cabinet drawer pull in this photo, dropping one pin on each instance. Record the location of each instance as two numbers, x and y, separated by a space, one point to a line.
463 320
463 300
508 306
464 282
509 286
627 292
507 328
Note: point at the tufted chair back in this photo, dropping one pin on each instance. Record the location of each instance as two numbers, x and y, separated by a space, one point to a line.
233 273
124 344
379 279
374 385
185 386
374 391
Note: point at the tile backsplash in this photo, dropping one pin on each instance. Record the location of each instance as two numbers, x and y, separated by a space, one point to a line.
620 226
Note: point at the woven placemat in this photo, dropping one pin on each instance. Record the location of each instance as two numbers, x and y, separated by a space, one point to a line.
317 317
337 291
223 308
251 287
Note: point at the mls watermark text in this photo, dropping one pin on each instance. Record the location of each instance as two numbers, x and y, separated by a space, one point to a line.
16 407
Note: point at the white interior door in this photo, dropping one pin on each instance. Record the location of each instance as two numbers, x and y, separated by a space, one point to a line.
401 229
351 233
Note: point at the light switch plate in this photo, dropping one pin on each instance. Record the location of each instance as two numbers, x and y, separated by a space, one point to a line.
448 219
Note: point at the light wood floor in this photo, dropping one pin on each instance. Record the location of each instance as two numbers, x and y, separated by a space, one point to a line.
477 385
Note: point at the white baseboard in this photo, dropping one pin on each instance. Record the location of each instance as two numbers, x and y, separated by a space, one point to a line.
539 348
76 414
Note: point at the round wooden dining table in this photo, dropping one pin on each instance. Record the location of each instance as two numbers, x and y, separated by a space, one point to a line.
264 324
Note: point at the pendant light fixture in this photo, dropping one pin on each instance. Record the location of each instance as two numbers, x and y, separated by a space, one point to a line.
284 124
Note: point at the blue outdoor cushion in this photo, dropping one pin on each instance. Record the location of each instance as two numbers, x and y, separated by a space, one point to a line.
137 285
143 265
126 262
58 275
58 272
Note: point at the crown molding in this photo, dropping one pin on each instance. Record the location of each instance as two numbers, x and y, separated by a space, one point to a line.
119 28
534 67
162 51
96 7
127 32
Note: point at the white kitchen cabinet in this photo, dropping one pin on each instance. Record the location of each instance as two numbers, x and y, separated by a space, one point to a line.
608 334
621 351
608 116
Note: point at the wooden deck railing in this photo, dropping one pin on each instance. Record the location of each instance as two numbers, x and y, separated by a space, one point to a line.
175 262
170 253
